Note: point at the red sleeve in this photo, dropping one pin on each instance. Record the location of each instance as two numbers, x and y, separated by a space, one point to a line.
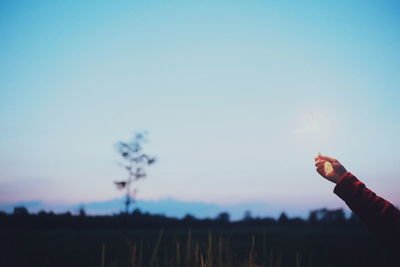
380 216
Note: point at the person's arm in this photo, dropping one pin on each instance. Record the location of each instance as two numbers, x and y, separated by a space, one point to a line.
380 216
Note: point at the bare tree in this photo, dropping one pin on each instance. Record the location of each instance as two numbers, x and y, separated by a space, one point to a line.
134 161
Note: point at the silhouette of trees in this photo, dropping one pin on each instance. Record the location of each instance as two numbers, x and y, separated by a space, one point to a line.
326 216
82 212
21 211
283 218
22 219
247 216
134 162
189 218
223 217
312 217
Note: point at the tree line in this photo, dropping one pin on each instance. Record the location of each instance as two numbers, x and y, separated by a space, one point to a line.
21 218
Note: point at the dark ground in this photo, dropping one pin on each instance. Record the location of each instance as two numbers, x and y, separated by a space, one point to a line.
271 246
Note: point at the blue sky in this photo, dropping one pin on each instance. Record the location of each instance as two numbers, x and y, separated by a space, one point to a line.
238 97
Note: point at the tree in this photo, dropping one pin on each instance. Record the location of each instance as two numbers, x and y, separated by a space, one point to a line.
247 216
134 162
326 216
21 211
313 217
223 217
283 218
188 219
82 212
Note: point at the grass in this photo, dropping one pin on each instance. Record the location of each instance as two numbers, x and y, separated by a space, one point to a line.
273 247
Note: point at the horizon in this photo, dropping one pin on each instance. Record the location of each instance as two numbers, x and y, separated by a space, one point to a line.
170 207
237 98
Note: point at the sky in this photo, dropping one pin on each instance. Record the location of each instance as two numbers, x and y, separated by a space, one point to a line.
237 97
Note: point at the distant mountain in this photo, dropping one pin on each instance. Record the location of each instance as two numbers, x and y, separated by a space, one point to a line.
168 206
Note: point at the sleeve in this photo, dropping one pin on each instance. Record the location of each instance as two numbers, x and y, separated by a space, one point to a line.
380 216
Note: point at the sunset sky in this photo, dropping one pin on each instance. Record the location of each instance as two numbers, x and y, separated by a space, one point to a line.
237 96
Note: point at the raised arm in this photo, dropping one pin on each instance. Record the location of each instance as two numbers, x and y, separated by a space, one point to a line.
380 216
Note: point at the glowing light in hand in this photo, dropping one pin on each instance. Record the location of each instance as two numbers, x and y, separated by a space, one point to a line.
328 169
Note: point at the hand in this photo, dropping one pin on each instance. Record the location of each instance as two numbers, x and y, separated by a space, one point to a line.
329 168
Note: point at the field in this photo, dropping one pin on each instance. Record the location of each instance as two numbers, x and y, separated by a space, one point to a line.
269 247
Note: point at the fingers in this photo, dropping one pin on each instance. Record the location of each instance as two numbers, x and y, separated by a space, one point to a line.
320 170
322 157
318 156
319 162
